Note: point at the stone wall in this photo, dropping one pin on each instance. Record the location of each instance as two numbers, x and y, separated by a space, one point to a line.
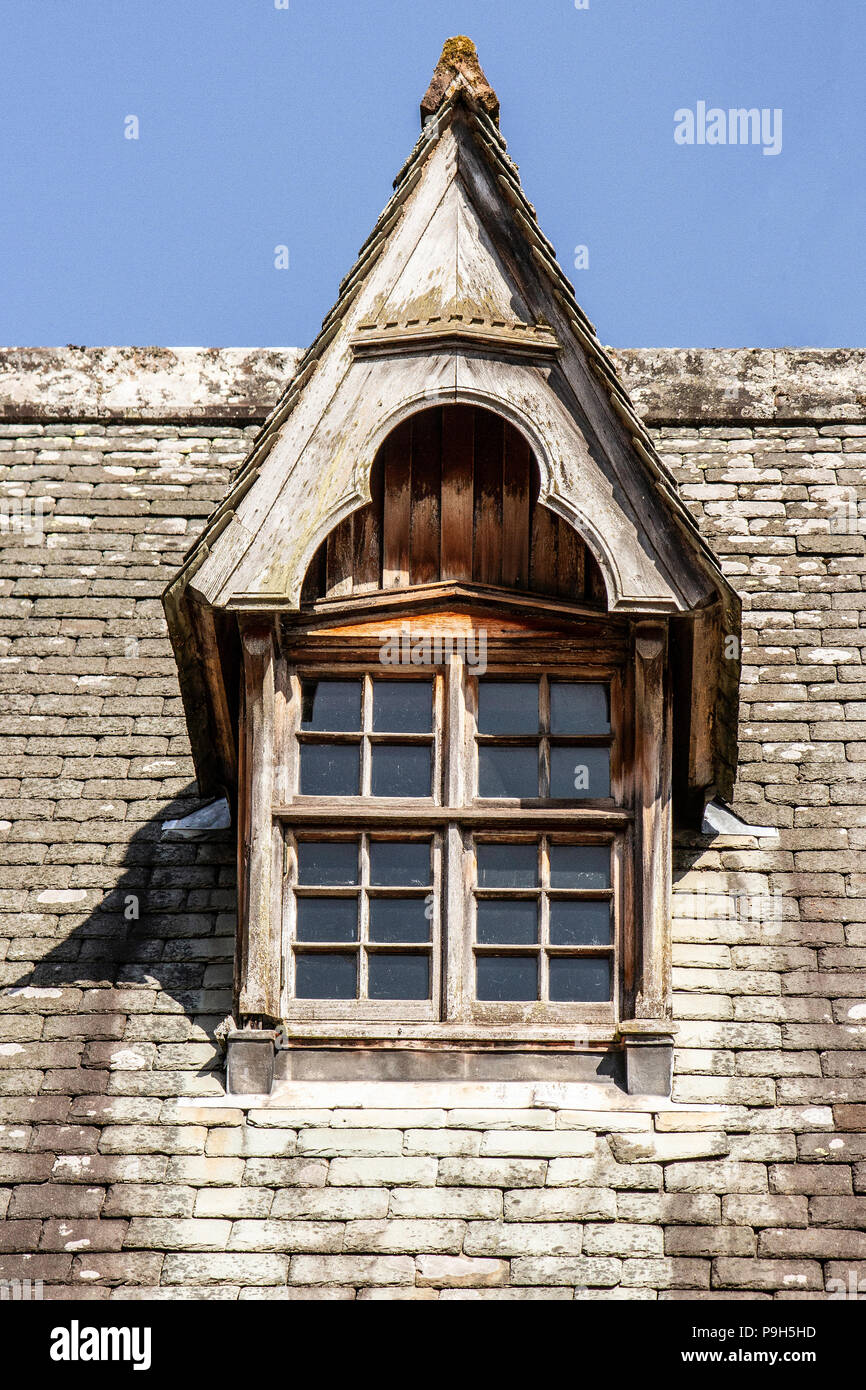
126 1173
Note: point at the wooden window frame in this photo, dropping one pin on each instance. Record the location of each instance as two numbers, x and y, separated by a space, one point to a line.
365 736
454 815
569 1014
361 1009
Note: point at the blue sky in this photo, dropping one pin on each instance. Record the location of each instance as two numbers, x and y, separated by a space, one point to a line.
261 127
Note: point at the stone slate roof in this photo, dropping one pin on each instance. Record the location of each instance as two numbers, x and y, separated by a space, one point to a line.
114 1174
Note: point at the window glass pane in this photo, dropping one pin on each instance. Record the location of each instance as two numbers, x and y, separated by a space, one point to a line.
576 923
577 707
507 771
399 919
402 707
331 976
331 706
507 977
506 922
327 862
400 863
330 769
507 707
579 866
507 866
576 773
401 769
579 978
327 919
394 976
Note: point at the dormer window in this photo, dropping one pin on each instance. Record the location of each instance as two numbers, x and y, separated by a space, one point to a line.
450 859
453 793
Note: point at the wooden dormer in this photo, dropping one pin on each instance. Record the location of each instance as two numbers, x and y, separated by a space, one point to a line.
456 459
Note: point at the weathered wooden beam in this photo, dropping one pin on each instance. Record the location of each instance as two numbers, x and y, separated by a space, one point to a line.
217 698
260 946
653 819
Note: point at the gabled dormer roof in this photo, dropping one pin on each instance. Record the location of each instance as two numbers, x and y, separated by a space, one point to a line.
457 296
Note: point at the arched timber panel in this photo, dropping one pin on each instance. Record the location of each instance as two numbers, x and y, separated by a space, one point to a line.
454 497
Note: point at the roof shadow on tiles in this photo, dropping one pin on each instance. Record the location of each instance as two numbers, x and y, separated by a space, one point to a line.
152 961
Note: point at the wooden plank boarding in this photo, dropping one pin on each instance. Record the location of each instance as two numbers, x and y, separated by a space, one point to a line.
569 561
397 471
542 570
367 539
340 559
458 436
454 499
424 522
487 552
516 467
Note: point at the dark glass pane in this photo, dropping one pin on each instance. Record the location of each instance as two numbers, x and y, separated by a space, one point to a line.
402 707
578 923
327 919
400 919
579 708
399 977
507 977
401 769
330 769
327 863
331 706
507 771
579 866
326 976
400 863
576 773
506 922
507 866
579 978
507 707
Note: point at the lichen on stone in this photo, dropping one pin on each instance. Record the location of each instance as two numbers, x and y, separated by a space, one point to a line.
459 58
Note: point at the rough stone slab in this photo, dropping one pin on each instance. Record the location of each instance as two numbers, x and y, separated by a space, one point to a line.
738 1273
545 1269
351 1269
668 1148
224 1269
131 383
456 1271
693 384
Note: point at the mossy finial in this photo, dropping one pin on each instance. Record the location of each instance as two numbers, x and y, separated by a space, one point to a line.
459 60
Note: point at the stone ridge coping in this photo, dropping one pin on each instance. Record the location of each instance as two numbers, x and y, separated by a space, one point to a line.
222 385
445 1095
752 385
685 386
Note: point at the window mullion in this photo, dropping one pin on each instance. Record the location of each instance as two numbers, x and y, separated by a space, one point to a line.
437 935
454 738
441 735
290 912
364 918
456 928
544 742
544 918
366 726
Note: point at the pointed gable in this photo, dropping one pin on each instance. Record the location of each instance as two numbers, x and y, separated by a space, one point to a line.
457 297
